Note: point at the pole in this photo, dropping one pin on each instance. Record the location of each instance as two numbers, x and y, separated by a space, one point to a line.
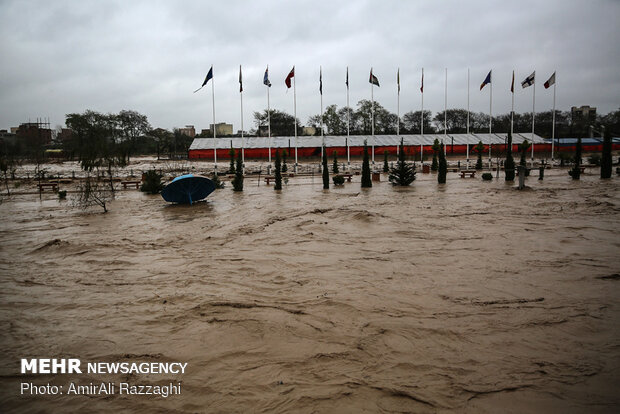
445 113
269 126
422 121
322 136
372 119
533 115
242 137
295 113
467 162
553 124
512 112
348 123
398 105
490 115
214 125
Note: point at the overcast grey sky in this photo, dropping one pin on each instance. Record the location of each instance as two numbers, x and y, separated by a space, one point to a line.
60 57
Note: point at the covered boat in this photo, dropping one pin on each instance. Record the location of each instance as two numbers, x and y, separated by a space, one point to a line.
187 189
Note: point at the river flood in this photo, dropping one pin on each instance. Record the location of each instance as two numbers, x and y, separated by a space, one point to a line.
471 296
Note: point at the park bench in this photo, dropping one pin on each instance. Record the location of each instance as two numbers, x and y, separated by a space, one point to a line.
268 178
131 182
53 186
347 176
471 173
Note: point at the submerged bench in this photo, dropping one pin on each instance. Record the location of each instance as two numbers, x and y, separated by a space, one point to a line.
54 186
132 182
347 176
269 178
471 173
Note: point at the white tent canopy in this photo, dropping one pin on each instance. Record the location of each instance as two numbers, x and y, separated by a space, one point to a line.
358 140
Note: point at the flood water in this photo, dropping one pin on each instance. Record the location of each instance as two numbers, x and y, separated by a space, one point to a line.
469 297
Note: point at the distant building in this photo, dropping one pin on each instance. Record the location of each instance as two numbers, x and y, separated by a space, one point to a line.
189 130
64 135
34 132
222 129
583 113
7 137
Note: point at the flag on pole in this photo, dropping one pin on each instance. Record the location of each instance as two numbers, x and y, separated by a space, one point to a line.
347 81
240 80
266 77
373 79
321 81
550 82
512 85
398 79
486 80
529 81
422 84
209 76
291 74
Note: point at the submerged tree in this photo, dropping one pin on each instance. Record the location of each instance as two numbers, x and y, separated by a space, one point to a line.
325 170
278 174
434 165
509 164
606 161
404 173
92 193
575 172
479 149
335 168
366 179
237 182
443 166
152 182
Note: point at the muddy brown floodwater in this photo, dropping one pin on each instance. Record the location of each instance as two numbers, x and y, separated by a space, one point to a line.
471 297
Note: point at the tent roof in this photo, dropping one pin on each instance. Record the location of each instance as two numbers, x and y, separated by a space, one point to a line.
358 140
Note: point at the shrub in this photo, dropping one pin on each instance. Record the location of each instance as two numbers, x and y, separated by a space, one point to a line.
325 170
386 167
278 175
487 176
509 165
595 159
366 179
237 182
335 168
479 148
403 173
338 179
435 165
443 166
62 194
152 182
219 184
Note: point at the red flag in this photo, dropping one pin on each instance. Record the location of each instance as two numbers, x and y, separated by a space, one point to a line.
288 78
422 86
512 85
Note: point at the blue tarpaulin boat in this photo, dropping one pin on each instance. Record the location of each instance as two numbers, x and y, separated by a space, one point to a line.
187 189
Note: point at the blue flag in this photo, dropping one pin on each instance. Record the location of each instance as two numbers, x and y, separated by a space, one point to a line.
209 76
266 77
486 80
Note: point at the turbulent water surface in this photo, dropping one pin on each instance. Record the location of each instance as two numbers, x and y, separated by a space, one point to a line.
472 296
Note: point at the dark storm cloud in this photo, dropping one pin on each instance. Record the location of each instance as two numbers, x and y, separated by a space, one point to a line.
62 57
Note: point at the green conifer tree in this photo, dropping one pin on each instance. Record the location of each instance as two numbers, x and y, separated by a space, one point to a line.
523 147
231 153
335 168
443 166
278 174
238 180
325 170
386 166
479 149
509 165
576 171
284 166
606 161
366 179
404 173
435 165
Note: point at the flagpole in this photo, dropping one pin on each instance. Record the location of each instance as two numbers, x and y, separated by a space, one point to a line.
214 125
422 121
372 118
398 107
490 114
467 118
533 116
512 112
348 123
295 114
322 135
445 113
242 137
269 125
553 124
